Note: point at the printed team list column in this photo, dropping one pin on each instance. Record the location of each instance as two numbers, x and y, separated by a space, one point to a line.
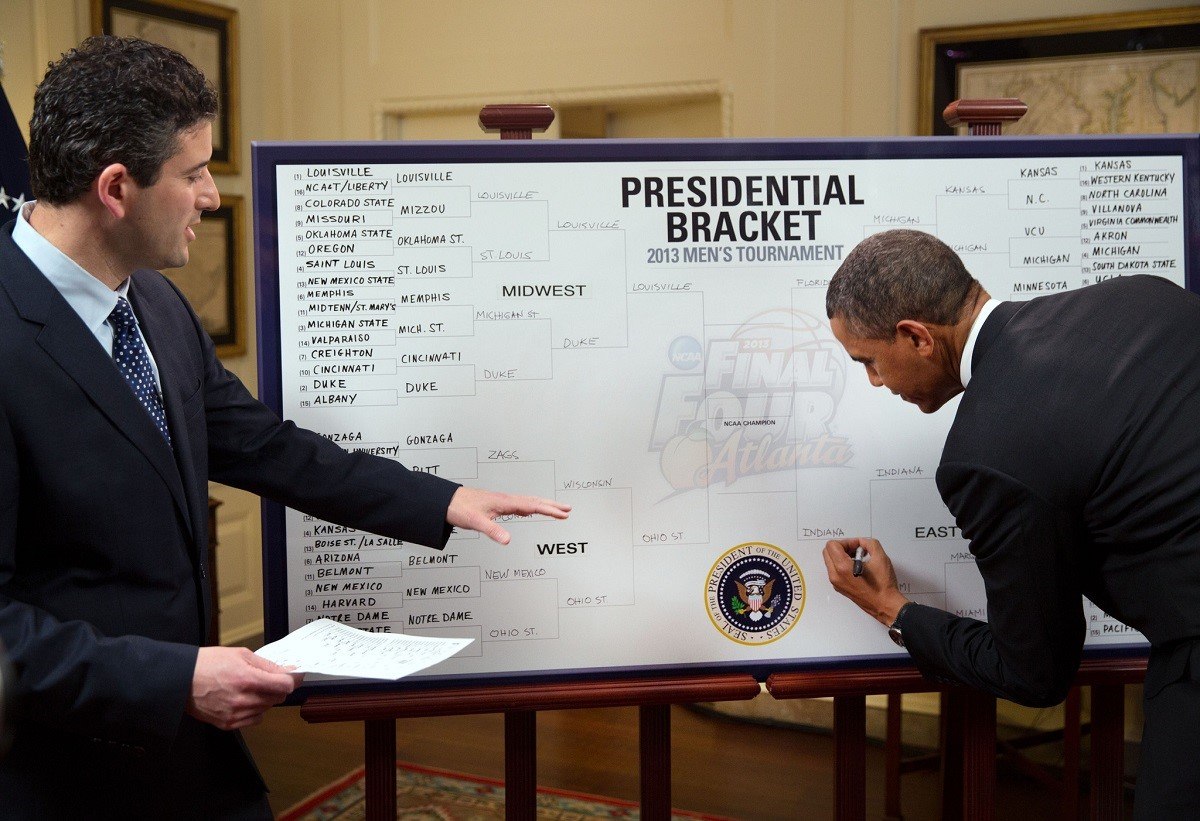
370 282
1130 210
381 307
343 282
1039 226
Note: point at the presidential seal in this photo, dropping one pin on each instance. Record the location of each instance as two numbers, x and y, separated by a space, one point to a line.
755 593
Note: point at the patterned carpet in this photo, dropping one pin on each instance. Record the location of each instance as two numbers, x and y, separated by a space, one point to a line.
427 794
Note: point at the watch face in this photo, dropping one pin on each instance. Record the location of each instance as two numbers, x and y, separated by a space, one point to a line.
895 635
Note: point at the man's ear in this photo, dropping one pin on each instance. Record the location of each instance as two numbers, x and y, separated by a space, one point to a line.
114 189
916 335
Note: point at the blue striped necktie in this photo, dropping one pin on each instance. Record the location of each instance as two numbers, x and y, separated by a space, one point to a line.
129 352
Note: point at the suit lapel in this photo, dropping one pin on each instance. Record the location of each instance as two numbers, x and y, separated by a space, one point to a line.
65 338
152 312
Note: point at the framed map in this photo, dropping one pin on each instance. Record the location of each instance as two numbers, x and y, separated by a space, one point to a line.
212 280
1133 73
204 33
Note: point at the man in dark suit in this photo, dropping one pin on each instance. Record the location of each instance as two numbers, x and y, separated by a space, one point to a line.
114 414
1071 466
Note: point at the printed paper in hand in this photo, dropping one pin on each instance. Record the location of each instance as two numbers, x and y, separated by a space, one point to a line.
335 649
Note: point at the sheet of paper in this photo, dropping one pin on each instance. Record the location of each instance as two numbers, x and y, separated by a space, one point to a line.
335 649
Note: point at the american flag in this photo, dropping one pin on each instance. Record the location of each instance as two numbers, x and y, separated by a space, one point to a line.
14 164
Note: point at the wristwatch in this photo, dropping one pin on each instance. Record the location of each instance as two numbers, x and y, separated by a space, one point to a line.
894 632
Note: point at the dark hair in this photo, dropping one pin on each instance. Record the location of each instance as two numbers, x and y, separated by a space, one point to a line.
112 100
897 275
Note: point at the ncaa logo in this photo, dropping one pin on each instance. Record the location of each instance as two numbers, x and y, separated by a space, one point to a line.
685 353
754 593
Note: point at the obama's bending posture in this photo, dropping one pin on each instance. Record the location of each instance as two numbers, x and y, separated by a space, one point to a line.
1073 466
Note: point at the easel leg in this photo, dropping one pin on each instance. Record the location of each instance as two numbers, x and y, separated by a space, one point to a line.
1108 751
950 732
979 757
381 769
893 749
968 731
520 765
1071 746
655 749
850 755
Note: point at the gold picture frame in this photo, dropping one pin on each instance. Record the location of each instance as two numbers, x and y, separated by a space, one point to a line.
213 279
1101 74
207 35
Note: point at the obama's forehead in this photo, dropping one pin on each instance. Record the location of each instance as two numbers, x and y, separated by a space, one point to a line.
859 348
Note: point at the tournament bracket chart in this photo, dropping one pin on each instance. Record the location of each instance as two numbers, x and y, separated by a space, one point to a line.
648 342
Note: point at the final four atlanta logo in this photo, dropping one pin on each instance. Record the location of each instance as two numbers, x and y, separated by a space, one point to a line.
754 593
754 400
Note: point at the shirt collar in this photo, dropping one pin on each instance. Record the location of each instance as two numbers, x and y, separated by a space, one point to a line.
88 296
964 367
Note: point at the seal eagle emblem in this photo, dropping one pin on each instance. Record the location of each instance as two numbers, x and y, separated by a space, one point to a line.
754 593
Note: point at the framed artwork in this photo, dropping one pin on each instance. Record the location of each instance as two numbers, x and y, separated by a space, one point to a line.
1129 73
204 33
212 280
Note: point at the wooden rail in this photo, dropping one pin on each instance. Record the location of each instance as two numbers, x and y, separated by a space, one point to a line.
520 704
968 743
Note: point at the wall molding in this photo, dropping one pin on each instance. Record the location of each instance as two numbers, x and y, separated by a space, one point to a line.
385 111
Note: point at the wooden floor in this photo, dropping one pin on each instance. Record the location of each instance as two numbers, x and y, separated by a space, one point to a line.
719 765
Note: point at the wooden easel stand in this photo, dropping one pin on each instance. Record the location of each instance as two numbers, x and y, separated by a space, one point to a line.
520 703
968 736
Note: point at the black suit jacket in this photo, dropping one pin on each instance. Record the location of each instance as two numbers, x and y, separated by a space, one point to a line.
1073 466
104 593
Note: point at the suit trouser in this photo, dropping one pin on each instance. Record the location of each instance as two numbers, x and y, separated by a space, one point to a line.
55 775
1168 785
